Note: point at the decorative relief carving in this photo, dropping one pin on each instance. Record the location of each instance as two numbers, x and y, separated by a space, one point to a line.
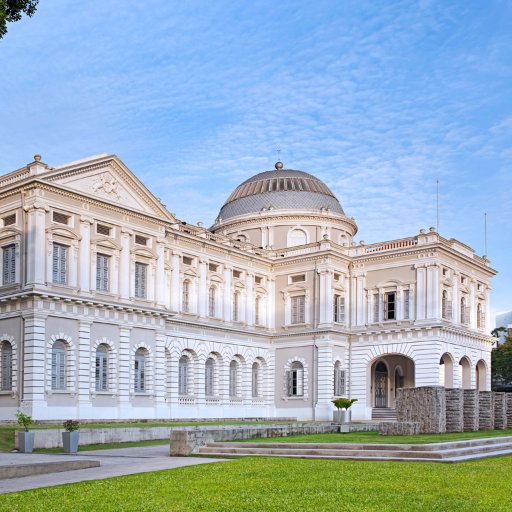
106 184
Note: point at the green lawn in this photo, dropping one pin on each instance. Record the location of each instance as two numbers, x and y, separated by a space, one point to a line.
375 437
273 484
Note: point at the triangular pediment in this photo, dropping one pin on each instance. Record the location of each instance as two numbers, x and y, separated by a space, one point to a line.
106 178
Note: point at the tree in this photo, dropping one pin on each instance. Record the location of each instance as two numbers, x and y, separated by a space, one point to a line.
13 10
501 363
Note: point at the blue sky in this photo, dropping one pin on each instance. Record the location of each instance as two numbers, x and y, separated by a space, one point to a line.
379 99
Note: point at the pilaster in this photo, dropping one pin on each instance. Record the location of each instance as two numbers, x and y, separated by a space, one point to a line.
36 250
84 278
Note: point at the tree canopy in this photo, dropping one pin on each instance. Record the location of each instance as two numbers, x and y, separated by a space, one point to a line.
501 363
13 10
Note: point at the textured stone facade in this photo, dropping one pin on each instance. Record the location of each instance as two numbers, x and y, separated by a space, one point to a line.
509 410
500 411
486 405
454 410
471 410
399 428
425 406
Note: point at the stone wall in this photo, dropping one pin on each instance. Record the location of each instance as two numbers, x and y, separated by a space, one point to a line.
509 410
423 405
486 406
454 410
399 428
500 411
471 409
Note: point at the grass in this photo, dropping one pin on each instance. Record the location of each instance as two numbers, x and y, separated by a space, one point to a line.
275 484
106 446
375 437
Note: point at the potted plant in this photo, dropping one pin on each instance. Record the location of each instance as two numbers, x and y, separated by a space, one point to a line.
25 438
342 415
70 436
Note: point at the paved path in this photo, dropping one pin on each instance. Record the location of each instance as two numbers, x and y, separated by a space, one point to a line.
115 462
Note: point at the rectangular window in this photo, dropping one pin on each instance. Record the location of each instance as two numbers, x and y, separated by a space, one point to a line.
141 270
187 260
390 306
212 267
339 309
141 240
60 218
102 272
298 278
101 229
101 372
407 298
9 220
258 280
237 274
298 305
339 381
9 264
60 263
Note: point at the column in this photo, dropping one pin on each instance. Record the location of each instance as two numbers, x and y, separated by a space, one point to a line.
264 238
85 254
249 316
84 365
360 282
455 298
271 236
325 382
399 308
125 272
433 291
472 304
34 364
175 282
420 292
161 281
160 376
36 249
271 302
227 294
353 303
326 298
203 292
124 372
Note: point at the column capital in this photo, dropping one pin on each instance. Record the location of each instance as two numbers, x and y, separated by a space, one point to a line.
126 231
36 205
84 219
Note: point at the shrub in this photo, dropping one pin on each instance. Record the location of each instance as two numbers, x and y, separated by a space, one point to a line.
344 403
71 425
24 420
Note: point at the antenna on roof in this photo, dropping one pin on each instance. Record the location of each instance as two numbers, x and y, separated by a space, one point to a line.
279 164
437 206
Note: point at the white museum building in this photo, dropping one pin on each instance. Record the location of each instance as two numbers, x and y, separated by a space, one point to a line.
112 308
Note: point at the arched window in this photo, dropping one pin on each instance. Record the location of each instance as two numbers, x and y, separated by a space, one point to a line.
480 320
59 365
242 238
209 377
297 237
444 305
101 369
211 301
464 313
183 375
6 366
339 380
257 313
236 306
255 380
233 379
185 297
139 380
295 379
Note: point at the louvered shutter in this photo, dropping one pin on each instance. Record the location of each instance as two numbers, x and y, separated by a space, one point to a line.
406 304
9 264
102 272
183 376
59 263
208 384
233 375
376 307
140 280
58 366
255 379
6 367
289 383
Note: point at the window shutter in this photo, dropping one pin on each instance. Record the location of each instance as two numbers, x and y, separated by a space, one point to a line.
255 378
406 304
376 307
289 383
9 264
59 263
140 280
6 368
300 381
102 272
183 376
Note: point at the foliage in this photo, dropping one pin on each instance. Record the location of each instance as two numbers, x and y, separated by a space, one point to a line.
279 484
344 403
71 425
13 10
24 420
501 363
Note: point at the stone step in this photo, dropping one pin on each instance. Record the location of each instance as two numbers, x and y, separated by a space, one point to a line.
40 468
448 452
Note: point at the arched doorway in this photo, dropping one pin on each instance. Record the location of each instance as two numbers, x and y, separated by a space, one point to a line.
481 375
389 373
446 371
381 385
465 373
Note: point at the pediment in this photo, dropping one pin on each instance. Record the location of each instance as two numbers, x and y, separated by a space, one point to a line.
109 180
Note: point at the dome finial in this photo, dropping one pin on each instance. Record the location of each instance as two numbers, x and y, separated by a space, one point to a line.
279 165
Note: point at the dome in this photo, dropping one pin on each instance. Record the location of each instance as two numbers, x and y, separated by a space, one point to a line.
282 189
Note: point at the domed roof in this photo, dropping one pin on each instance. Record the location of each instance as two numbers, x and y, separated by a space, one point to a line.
282 189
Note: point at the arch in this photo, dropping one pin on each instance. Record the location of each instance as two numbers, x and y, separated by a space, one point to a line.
339 379
446 370
296 237
140 360
481 375
298 379
6 365
60 363
465 372
111 366
101 373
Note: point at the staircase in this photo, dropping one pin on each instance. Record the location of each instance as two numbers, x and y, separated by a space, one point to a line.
457 451
383 414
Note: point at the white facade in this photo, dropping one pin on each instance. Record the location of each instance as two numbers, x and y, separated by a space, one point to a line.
112 308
